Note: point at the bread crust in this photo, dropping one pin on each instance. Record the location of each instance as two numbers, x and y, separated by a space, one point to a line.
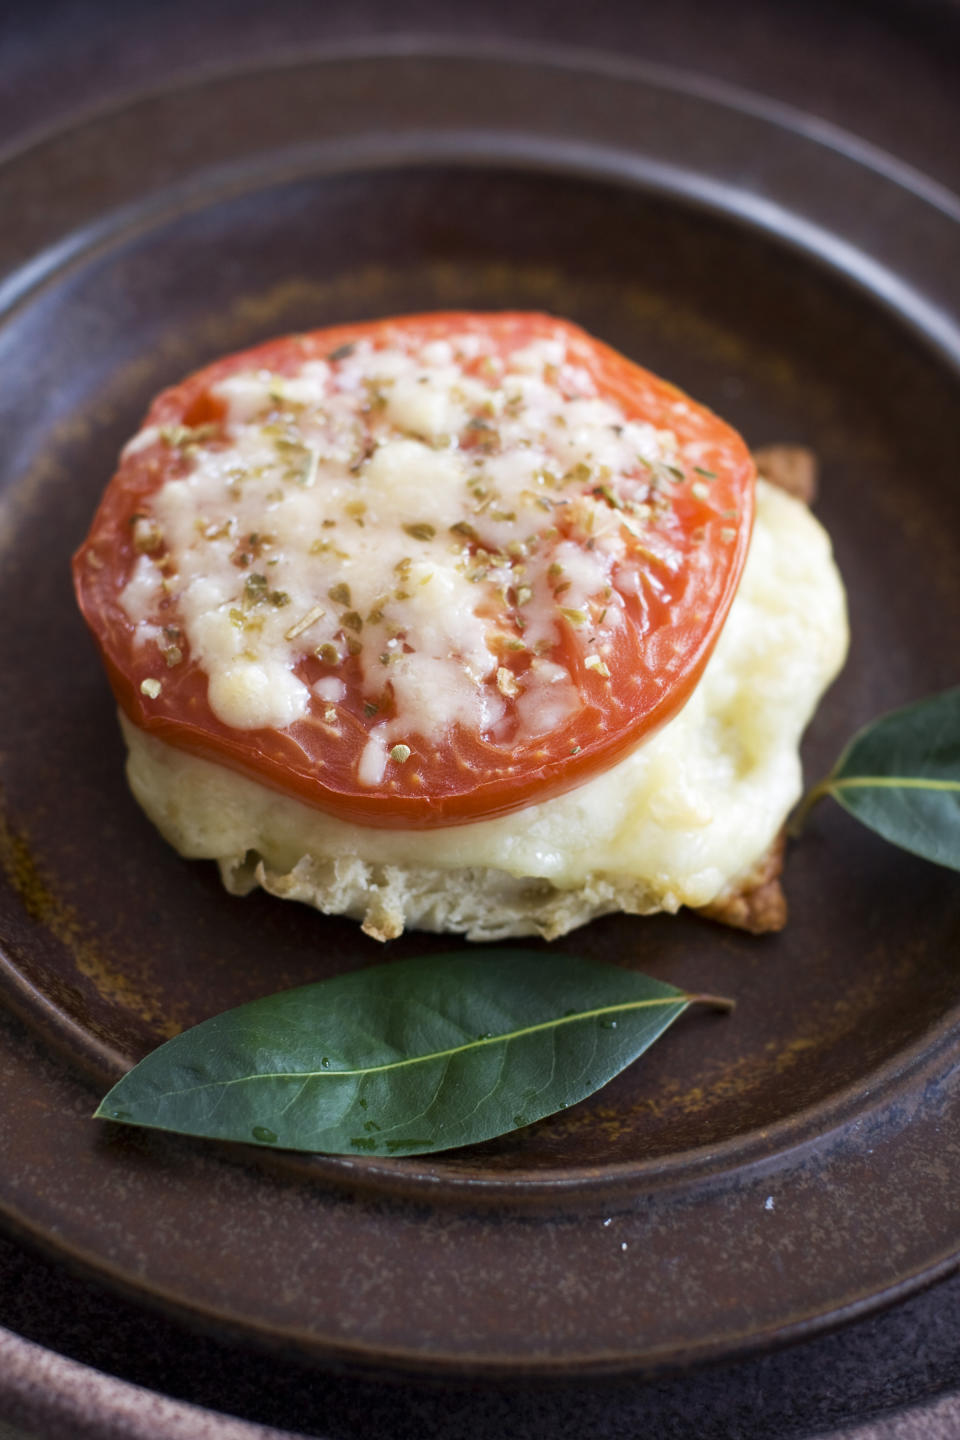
792 468
757 903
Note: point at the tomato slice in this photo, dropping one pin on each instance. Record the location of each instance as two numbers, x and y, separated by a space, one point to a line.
583 524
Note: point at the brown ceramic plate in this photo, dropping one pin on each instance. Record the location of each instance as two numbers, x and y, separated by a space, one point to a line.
752 1178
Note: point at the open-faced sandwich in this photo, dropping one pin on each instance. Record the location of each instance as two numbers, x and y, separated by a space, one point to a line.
463 622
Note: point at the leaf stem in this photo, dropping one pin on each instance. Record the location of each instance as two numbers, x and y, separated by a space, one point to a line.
833 783
812 797
716 1002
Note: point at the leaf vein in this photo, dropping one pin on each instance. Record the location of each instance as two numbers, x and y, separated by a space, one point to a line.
555 1024
891 782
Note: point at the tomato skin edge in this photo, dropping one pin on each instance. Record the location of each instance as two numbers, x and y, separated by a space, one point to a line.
253 754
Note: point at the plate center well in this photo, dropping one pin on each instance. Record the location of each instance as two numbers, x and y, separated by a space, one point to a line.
112 943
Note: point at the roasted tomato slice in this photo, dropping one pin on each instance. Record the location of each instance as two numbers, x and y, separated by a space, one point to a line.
419 571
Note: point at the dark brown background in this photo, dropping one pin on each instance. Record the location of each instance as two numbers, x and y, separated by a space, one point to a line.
888 72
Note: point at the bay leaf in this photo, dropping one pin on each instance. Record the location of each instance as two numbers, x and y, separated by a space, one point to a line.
901 777
404 1058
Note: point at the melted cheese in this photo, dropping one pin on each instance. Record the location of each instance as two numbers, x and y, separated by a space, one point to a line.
674 823
398 507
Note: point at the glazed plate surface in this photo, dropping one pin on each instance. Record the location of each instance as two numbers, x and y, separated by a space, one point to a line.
752 1178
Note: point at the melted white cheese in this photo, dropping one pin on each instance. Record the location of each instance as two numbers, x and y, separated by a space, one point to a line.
674 823
328 526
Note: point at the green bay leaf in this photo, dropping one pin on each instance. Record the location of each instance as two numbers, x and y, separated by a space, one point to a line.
901 777
404 1058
